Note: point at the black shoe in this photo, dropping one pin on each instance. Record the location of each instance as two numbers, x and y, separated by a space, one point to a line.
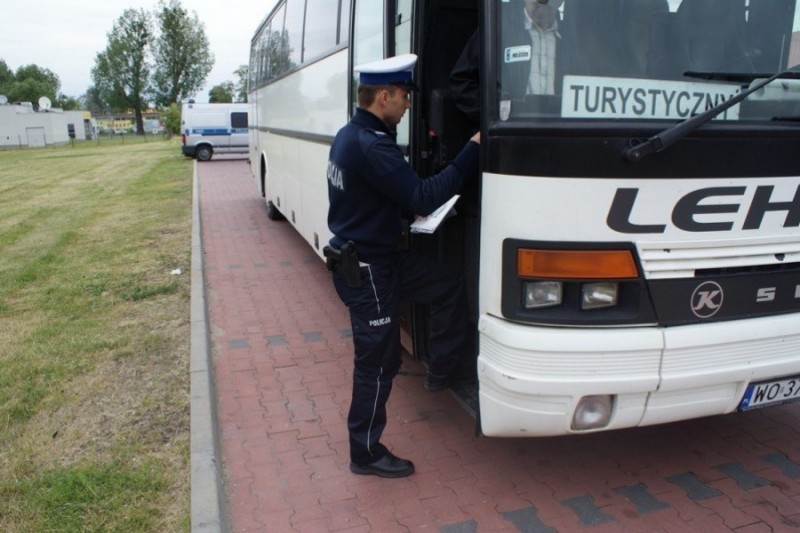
435 382
387 466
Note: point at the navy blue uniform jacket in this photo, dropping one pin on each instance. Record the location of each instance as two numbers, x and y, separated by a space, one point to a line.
370 186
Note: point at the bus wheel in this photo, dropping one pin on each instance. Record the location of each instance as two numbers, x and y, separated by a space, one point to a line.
203 153
272 212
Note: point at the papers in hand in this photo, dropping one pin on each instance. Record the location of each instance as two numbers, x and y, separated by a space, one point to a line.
429 223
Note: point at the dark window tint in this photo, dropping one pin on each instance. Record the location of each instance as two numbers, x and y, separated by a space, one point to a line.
238 120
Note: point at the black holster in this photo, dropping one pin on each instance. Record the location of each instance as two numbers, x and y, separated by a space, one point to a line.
344 261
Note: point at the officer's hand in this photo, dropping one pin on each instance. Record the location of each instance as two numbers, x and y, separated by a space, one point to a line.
476 138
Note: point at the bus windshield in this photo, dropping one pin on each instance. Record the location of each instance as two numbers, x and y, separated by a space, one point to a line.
645 59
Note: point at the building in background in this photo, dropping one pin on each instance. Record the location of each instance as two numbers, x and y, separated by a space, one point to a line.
24 124
125 122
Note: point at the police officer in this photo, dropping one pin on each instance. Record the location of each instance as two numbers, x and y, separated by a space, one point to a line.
370 187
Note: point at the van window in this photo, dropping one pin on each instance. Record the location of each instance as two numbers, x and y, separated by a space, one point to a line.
238 120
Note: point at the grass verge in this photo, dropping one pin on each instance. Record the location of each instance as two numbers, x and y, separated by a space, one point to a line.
94 338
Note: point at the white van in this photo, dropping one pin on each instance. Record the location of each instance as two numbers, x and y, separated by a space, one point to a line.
207 129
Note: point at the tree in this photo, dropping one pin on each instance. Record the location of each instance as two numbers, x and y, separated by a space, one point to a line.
122 71
242 73
6 78
171 118
28 84
181 52
222 93
228 91
67 103
94 101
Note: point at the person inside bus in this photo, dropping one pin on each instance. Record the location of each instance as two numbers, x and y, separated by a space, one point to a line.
530 35
370 187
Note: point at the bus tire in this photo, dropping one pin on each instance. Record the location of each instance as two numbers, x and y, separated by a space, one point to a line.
272 211
204 153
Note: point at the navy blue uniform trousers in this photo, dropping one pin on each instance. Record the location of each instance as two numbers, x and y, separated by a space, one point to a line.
375 318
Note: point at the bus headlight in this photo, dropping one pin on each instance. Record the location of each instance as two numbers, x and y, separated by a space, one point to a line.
573 285
593 412
538 294
599 295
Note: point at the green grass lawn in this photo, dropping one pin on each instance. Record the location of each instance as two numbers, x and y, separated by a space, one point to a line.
94 338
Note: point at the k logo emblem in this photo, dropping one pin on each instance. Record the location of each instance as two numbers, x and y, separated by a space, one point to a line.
706 299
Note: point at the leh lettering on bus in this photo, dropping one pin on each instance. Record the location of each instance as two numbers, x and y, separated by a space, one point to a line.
705 209
591 97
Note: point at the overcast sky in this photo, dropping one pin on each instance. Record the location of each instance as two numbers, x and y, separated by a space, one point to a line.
65 36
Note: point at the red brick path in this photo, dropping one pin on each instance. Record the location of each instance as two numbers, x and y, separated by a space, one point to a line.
282 352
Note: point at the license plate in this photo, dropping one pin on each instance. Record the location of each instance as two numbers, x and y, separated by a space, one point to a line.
771 393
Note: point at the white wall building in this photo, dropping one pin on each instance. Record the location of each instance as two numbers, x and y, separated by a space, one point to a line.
21 125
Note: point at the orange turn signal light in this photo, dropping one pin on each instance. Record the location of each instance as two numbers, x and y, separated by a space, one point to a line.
576 264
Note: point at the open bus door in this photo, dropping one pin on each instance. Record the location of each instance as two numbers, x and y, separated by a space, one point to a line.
440 130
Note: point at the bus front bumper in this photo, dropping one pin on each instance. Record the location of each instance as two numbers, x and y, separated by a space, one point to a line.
532 378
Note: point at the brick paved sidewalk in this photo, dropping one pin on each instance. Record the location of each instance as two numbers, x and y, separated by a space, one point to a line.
282 354
283 357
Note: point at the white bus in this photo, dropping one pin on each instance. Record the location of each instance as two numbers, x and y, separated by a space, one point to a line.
632 253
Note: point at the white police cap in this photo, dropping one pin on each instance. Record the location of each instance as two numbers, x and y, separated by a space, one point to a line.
397 70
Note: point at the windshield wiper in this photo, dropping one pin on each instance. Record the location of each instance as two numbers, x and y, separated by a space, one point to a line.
666 138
